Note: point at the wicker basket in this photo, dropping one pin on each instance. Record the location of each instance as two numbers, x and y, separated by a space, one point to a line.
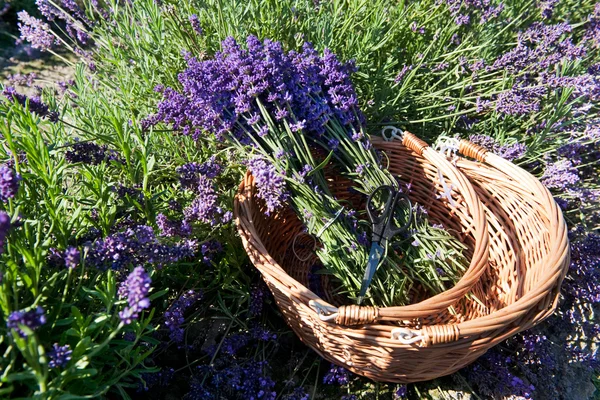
528 257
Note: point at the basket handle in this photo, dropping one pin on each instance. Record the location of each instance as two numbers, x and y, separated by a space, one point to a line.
390 133
345 315
414 143
362 315
428 335
472 150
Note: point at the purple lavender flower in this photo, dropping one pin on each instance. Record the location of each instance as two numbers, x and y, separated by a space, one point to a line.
303 173
298 394
592 131
592 33
509 151
262 334
135 289
520 100
4 9
22 79
401 392
505 383
167 227
440 67
491 13
270 184
247 381
9 183
462 19
257 300
34 103
230 345
416 28
59 356
298 126
195 22
333 144
87 153
171 228
405 69
363 239
204 207
547 8
174 316
360 168
337 376
583 280
263 131
539 48
455 39
72 257
198 391
209 249
227 217
221 94
136 246
35 31
5 226
190 173
32 319
560 175
134 193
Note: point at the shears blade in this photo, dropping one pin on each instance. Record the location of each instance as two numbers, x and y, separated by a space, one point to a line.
375 256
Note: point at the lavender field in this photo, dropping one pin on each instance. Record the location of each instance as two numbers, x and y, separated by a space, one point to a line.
125 136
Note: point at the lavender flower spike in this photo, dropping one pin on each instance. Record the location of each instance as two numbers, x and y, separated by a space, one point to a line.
135 289
35 103
59 356
35 31
9 183
32 319
72 257
270 183
4 228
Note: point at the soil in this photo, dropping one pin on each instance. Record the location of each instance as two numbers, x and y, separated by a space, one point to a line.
49 68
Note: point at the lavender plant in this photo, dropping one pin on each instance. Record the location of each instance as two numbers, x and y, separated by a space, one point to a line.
521 77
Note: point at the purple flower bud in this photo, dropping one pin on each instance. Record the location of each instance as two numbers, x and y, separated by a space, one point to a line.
59 356
72 257
34 103
9 183
135 289
5 226
195 22
174 316
32 319
337 376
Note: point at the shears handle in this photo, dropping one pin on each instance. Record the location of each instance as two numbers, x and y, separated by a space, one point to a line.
384 226
380 220
390 227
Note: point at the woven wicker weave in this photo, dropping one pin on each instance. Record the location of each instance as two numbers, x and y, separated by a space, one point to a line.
528 257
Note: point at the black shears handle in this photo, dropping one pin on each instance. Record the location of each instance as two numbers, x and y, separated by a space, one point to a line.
384 226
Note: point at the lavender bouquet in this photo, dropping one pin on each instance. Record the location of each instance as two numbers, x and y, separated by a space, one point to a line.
278 107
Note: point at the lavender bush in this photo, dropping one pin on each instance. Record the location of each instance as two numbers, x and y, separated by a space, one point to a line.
90 193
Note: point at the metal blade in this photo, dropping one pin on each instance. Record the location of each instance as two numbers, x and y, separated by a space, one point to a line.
374 258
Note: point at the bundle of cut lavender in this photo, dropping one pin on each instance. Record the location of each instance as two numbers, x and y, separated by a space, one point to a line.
277 107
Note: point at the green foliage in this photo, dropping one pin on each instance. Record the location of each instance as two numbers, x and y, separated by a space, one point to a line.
142 44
